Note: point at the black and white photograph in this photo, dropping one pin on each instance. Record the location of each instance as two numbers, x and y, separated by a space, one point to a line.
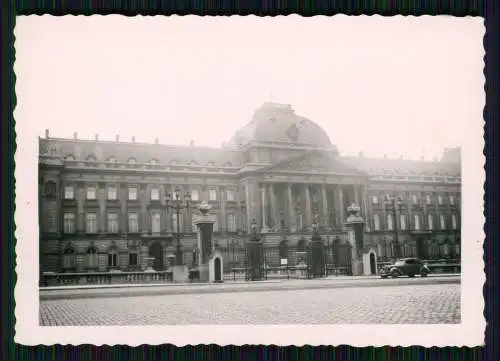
239 180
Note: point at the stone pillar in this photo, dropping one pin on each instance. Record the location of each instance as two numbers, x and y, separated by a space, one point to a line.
252 202
324 206
263 198
364 207
122 189
143 202
223 213
291 210
101 194
308 214
274 207
340 205
80 202
356 194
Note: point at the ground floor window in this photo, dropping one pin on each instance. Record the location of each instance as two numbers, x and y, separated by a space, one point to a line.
92 258
68 258
112 259
133 259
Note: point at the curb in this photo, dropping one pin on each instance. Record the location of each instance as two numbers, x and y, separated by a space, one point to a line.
160 290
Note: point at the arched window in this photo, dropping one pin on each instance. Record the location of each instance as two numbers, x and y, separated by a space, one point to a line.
50 189
69 157
68 260
92 260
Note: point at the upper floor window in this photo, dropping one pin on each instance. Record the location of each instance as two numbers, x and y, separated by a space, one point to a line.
69 192
50 189
155 222
155 194
374 200
402 221
428 199
132 193
442 221
430 222
390 225
452 200
230 195
195 195
112 193
91 224
454 221
231 223
91 193
212 194
414 199
113 222
69 222
416 222
133 222
376 222
440 200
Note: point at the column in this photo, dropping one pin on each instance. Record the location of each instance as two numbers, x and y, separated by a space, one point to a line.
80 201
308 219
143 201
324 206
122 196
274 208
187 215
356 195
364 207
263 198
101 193
340 206
292 226
168 213
252 202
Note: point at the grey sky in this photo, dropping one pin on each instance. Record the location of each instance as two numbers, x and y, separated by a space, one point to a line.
378 85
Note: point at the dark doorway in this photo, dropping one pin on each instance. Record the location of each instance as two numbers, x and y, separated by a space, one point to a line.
156 251
373 266
217 270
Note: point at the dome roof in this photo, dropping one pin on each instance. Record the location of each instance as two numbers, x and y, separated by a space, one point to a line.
274 122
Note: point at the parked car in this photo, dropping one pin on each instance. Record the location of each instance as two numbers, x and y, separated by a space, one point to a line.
405 267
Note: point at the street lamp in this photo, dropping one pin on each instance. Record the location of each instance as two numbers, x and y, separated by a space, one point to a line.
393 205
177 205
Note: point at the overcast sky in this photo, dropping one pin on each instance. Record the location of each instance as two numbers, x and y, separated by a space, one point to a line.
379 85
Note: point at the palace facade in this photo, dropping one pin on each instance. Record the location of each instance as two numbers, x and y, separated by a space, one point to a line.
102 204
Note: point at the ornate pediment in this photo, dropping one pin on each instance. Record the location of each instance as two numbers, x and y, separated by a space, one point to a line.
316 162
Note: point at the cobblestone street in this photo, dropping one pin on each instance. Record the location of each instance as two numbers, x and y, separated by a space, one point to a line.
429 303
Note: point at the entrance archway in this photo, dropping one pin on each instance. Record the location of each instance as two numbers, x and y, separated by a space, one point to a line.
217 269
373 264
156 251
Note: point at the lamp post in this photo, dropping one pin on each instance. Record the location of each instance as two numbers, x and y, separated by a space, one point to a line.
175 203
317 250
254 254
393 205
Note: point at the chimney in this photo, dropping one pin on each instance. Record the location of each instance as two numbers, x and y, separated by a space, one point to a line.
156 140
46 133
97 137
117 138
133 139
75 135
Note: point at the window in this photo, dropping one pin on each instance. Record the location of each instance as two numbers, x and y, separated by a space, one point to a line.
69 192
132 259
92 258
174 223
91 193
91 225
414 199
133 223
230 195
155 222
376 222
155 194
50 189
112 259
69 258
430 222
440 200
454 221
112 193
231 223
428 199
390 225
195 195
402 221
69 222
212 194
452 200
132 193
374 200
113 222
442 222
416 222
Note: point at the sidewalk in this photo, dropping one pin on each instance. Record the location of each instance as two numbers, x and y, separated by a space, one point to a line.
126 290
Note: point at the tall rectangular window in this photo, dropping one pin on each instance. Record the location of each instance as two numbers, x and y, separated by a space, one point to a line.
428 199
440 200
402 221
231 223
212 194
442 221
374 200
414 199
195 195
112 222
132 259
112 259
69 222
230 195
416 222
454 221
112 193
69 192
376 222
155 222
452 200
390 225
430 222
91 193
133 223
216 225
132 193
174 223
155 194
91 224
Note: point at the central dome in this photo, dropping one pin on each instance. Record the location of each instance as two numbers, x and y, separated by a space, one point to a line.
274 122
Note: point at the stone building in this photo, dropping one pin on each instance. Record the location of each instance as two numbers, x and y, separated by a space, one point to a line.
102 203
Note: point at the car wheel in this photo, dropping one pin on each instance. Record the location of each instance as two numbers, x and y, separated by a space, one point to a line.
411 275
394 274
383 276
423 274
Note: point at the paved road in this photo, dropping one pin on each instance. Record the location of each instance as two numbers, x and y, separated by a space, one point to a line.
418 303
